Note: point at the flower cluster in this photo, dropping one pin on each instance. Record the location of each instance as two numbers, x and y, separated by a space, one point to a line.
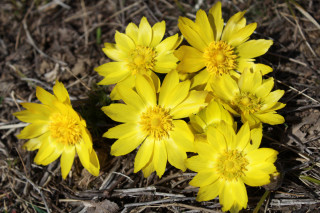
206 85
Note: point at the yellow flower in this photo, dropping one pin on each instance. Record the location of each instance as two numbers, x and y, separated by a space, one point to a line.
218 49
250 97
227 162
155 123
213 114
56 129
139 50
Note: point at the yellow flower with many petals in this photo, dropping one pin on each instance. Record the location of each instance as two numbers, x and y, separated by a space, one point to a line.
250 97
155 123
227 162
218 49
56 129
213 114
140 50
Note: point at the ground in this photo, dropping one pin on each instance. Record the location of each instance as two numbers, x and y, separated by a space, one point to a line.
41 41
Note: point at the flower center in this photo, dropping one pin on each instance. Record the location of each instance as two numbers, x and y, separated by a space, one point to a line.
142 59
231 165
65 129
220 58
247 103
156 122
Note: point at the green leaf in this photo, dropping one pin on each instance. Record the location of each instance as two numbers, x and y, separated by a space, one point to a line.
311 179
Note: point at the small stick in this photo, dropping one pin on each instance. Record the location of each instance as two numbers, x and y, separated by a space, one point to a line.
15 126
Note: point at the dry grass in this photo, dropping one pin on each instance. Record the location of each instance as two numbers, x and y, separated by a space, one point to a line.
41 41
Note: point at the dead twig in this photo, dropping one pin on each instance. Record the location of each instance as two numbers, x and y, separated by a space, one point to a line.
31 41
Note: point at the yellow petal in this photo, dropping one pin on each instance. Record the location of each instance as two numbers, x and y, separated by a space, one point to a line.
205 27
271 118
32 144
244 64
130 81
38 108
216 139
191 32
127 144
215 113
115 54
31 117
148 169
46 149
243 137
267 167
272 99
200 80
130 97
197 123
254 48
132 31
229 134
277 106
256 136
86 136
158 31
124 42
160 157
198 163
122 130
215 18
94 163
182 135
226 196
83 154
262 155
44 96
242 35
121 112
146 90
235 23
144 154
264 89
66 160
249 81
119 73
176 155
204 178
190 105
225 88
167 44
165 63
110 67
145 32
211 191
57 149
256 178
61 93
191 59
156 81
206 150
34 130
169 83
177 95
233 193
264 69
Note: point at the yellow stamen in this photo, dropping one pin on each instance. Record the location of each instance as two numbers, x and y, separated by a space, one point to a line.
65 129
247 103
220 58
141 59
156 122
231 165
